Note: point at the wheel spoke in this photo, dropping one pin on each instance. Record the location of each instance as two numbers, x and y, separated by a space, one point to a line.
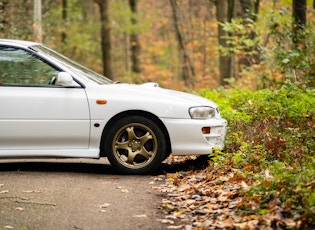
143 152
131 133
131 157
121 145
145 138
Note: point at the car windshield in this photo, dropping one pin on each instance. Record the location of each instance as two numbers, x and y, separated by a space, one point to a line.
73 66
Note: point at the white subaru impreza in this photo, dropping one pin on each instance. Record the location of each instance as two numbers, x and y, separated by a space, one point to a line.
51 106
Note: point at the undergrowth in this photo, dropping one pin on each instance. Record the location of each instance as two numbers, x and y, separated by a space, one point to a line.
271 139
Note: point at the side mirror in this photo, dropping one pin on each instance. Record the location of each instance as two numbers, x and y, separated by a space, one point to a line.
64 79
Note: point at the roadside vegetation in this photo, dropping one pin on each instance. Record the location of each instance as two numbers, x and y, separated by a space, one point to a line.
271 140
264 178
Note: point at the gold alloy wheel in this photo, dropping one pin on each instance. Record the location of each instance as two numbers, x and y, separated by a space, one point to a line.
135 145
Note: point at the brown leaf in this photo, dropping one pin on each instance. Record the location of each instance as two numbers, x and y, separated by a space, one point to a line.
249 168
236 178
267 183
209 176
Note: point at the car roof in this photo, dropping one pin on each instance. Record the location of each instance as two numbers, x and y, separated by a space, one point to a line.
19 43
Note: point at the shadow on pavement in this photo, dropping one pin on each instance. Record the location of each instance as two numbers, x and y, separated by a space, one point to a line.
92 166
74 167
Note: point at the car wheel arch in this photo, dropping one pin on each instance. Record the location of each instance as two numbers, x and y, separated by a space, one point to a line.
130 113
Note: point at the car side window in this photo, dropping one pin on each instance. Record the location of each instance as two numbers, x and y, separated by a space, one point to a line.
19 67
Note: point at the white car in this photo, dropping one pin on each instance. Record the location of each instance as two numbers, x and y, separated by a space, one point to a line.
53 107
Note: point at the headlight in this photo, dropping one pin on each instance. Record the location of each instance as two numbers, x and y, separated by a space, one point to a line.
201 112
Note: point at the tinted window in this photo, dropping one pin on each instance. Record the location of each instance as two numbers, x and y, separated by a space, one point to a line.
19 67
75 67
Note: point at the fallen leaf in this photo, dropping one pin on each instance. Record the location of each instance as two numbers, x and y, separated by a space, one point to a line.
244 185
140 216
209 176
267 174
267 183
175 227
236 178
31 191
105 205
179 213
166 221
233 204
249 167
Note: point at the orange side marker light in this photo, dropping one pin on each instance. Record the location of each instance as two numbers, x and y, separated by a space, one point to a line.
101 102
206 130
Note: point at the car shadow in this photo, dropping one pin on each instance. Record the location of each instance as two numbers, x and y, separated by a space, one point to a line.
201 162
92 166
60 166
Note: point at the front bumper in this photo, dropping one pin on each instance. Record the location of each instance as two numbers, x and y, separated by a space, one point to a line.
187 138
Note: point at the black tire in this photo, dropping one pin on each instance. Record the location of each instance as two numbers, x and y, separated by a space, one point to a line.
135 145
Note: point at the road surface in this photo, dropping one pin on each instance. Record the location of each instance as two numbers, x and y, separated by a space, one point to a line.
75 194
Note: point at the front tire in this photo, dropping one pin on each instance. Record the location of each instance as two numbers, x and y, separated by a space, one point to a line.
135 145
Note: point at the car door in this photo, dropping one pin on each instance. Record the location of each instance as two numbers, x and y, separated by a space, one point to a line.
35 114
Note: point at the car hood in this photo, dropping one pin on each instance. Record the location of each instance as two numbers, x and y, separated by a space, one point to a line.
152 90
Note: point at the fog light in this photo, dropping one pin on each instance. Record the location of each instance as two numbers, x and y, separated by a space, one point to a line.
206 130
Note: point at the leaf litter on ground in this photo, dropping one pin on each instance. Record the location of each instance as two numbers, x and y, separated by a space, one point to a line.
197 194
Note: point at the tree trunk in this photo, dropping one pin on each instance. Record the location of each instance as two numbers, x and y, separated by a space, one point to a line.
223 14
64 19
299 20
37 26
134 41
187 71
105 36
299 12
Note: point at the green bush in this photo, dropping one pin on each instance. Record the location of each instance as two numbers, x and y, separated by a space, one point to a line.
273 130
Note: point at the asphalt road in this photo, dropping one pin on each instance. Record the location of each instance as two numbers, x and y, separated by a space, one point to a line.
75 194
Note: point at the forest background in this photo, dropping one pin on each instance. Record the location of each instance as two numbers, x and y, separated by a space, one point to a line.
255 58
186 45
